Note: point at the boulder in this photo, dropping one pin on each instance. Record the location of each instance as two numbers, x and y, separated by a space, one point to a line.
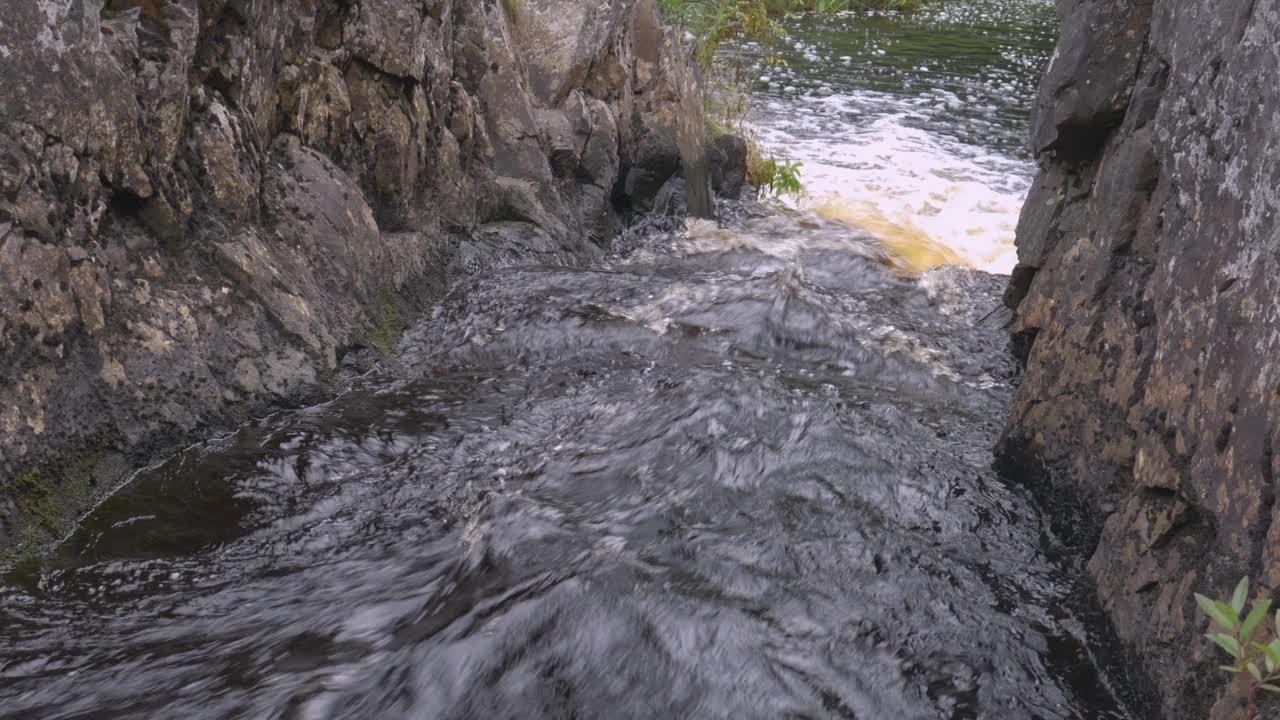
727 165
655 161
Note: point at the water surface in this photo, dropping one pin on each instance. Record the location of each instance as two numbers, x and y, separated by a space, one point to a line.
743 473
913 128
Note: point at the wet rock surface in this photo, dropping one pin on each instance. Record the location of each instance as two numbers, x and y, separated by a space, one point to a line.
1146 304
205 204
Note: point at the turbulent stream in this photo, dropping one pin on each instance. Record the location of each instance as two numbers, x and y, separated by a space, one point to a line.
912 129
738 472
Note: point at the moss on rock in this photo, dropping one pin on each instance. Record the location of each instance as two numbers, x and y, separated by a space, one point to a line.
388 325
48 500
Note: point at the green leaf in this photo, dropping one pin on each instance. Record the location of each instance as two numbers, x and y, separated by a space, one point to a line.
1255 616
1229 668
1228 612
1270 688
1211 609
1226 642
1252 667
1269 654
1240 595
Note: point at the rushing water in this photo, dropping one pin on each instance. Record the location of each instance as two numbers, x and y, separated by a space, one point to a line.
741 472
913 129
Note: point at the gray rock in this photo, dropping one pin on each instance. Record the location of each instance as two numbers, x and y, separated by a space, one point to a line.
727 165
562 42
596 138
206 203
673 199
655 161
1086 89
558 139
1146 308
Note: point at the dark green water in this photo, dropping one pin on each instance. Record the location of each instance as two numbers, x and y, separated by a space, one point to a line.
963 71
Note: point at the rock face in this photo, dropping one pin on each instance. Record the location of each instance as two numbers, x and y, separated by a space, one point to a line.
205 204
1146 298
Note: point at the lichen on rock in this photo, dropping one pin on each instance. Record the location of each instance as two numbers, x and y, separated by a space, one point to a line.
1146 312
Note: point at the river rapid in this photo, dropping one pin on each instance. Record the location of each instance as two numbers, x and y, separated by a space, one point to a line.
912 128
737 471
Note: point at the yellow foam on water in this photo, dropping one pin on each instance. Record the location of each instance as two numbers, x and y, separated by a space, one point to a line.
911 248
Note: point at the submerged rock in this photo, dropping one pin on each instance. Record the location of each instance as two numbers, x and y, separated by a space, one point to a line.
1146 311
205 205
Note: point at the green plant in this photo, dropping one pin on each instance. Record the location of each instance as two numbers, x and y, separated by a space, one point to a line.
1260 662
776 177
711 22
46 500
388 326
768 174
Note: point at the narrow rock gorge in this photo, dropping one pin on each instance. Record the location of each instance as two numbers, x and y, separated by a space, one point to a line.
338 287
1147 315
209 207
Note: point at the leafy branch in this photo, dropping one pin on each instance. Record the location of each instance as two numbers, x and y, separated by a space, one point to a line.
1260 662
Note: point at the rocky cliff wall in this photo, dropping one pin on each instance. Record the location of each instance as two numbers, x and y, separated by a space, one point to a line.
1147 310
206 205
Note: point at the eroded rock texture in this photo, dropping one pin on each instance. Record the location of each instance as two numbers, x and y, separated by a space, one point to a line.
1147 304
204 204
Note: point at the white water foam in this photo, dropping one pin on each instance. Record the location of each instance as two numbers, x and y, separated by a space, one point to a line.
928 198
